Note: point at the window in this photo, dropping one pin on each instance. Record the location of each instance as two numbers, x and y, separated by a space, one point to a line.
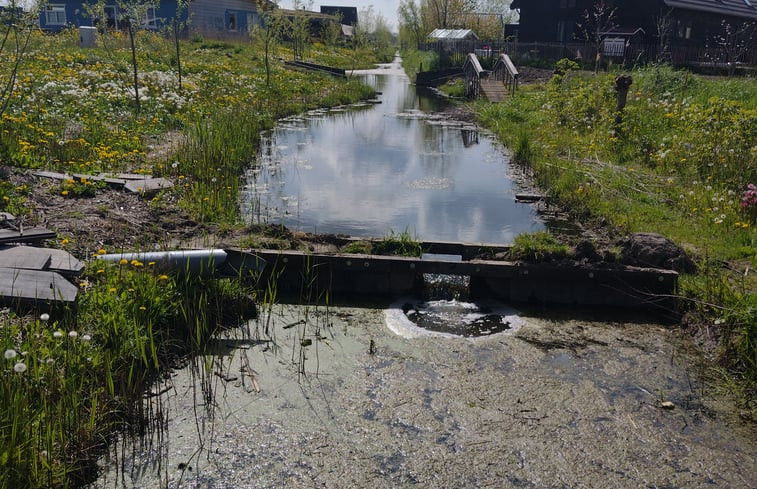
151 20
232 21
55 15
683 30
110 15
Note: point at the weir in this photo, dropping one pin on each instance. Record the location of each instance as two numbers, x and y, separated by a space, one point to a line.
350 276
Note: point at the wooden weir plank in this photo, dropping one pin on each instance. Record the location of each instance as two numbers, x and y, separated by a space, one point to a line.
35 285
149 186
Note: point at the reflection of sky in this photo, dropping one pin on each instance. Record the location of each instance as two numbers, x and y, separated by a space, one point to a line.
368 172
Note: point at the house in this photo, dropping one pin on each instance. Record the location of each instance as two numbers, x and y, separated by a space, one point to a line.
215 17
683 23
347 15
452 35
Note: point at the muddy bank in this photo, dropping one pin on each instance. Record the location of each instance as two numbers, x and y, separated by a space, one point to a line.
333 398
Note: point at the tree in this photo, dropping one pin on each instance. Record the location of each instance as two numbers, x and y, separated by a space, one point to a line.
269 34
410 22
299 30
664 25
15 32
178 24
733 42
595 25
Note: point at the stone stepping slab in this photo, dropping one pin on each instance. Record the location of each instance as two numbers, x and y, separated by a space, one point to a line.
140 184
32 258
26 236
35 285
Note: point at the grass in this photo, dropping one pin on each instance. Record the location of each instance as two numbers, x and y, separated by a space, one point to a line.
678 161
75 377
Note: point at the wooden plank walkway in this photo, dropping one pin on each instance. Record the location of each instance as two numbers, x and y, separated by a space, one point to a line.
35 285
494 90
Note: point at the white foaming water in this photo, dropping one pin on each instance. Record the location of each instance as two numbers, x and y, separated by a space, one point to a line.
450 318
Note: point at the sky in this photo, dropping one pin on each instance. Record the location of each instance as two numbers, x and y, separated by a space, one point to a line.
387 8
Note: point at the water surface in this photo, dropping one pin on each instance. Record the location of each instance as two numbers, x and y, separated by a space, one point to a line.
391 167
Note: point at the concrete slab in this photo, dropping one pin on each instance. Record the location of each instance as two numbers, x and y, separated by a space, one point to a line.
148 187
35 285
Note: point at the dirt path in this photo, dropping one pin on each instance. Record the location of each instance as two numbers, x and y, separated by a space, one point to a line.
558 402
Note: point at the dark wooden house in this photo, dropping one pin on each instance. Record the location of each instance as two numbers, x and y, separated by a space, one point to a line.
688 23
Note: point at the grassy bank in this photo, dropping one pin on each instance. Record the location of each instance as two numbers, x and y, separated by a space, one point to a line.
678 161
74 377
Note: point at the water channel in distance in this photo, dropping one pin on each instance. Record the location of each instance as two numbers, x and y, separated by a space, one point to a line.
396 166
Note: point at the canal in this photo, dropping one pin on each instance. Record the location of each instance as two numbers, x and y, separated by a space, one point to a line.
396 166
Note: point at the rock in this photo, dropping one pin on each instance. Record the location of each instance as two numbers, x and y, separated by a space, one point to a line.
586 250
656 251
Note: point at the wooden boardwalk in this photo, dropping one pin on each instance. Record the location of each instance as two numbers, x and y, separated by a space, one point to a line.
494 90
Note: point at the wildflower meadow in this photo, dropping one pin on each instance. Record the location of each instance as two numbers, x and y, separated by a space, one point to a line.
74 377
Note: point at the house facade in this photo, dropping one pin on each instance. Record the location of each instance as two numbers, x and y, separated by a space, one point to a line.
206 16
687 23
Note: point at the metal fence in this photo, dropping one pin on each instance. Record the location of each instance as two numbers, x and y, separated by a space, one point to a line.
534 53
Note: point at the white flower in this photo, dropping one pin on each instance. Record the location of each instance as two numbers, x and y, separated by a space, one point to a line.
175 164
20 367
73 334
44 317
9 354
50 361
86 337
58 334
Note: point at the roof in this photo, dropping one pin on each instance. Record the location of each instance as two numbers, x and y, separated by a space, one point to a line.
452 34
623 31
735 8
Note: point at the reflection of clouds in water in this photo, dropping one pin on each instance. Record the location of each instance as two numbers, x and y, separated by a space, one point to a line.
368 171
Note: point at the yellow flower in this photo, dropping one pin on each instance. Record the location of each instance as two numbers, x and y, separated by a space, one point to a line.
142 308
100 271
163 277
64 193
137 263
64 242
101 251
123 261
152 263
112 290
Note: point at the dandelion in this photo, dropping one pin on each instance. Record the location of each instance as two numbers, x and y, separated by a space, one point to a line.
19 367
58 334
10 354
142 308
123 261
65 241
163 277
44 317
73 334
86 337
100 270
101 251
64 193
112 290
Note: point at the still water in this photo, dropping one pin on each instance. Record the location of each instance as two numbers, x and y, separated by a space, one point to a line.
396 166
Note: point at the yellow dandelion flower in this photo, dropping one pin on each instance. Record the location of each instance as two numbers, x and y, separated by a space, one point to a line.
100 270
163 277
142 308
64 193
112 290
123 261
64 242
152 263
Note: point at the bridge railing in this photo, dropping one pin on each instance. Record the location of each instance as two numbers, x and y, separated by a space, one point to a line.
473 71
505 70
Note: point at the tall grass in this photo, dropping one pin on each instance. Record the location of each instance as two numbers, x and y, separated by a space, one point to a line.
677 161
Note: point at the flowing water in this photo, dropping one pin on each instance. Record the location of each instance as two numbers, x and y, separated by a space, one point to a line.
396 166
345 397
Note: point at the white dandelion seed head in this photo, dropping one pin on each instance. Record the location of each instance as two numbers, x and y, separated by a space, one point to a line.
19 368
44 317
9 354
58 334
73 334
86 337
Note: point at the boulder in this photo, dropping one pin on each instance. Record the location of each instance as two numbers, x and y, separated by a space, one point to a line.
656 251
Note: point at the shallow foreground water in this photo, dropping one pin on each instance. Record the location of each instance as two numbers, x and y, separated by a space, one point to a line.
338 400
